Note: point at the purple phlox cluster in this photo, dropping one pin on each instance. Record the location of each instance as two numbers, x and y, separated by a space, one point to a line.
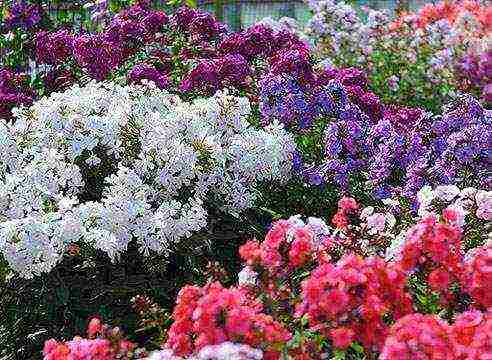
355 82
260 40
14 91
476 69
208 76
297 100
136 26
196 24
147 72
466 154
100 53
22 15
284 100
97 55
344 142
295 62
257 40
394 150
54 48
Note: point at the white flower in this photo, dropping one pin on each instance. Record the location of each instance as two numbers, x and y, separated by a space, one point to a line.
446 192
247 276
375 223
366 212
109 164
425 196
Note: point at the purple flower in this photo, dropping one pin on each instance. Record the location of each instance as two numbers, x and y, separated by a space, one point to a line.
203 78
284 100
197 24
23 15
147 72
14 91
54 48
233 70
296 63
97 55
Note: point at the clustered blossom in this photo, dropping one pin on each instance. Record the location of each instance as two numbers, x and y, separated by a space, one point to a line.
426 336
395 151
213 315
290 279
107 164
435 249
435 48
477 275
418 336
210 75
288 245
146 72
99 54
196 24
472 334
223 351
14 92
53 48
349 299
455 204
476 71
23 15
103 343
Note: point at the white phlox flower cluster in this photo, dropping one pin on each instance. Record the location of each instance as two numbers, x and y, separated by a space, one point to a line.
106 164
224 351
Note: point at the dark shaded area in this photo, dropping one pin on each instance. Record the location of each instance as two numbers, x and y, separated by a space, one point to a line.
58 305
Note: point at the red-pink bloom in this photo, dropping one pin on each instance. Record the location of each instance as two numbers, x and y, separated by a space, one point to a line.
347 204
418 336
439 279
342 337
301 248
340 220
434 248
477 276
355 294
213 314
94 328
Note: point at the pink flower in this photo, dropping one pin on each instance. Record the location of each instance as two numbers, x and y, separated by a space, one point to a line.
347 204
94 328
342 337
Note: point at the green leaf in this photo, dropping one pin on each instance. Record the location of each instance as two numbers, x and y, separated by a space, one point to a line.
357 347
339 355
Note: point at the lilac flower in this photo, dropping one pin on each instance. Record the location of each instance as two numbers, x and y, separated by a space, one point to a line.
282 99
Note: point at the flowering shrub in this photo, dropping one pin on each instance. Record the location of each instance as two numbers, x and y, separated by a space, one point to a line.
106 164
295 300
416 59
343 130
419 335
102 343
190 127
